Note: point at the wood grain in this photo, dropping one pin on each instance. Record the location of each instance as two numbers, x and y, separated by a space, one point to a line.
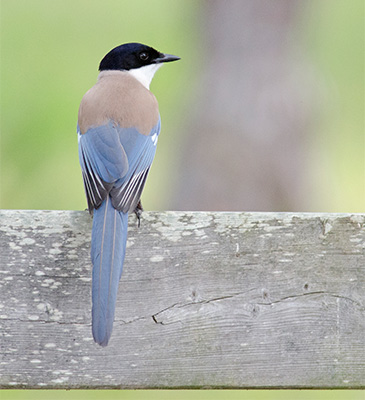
206 300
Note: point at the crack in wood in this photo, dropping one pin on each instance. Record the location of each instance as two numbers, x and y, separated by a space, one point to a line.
286 298
293 297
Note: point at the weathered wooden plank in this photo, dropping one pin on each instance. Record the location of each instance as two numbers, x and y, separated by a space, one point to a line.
228 300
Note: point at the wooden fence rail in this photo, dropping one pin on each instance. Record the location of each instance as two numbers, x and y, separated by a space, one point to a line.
206 300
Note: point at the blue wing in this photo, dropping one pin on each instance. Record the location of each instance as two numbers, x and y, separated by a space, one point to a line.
116 161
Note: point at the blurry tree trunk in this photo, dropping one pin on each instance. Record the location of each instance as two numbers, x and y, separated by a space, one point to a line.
247 147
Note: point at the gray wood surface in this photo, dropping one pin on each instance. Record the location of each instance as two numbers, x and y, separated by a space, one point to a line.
206 300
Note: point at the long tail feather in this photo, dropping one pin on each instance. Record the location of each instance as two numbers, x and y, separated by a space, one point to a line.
108 241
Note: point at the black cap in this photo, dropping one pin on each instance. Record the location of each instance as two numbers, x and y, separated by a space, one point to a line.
133 55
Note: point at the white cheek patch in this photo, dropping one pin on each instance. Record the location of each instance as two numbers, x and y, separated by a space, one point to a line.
154 139
145 74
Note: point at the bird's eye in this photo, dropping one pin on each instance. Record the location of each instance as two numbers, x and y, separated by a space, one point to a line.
143 56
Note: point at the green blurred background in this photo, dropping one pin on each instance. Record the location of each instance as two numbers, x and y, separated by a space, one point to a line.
185 394
50 51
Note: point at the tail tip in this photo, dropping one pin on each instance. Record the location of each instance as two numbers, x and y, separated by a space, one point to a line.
101 339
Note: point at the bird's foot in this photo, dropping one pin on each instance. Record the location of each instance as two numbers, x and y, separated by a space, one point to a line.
138 211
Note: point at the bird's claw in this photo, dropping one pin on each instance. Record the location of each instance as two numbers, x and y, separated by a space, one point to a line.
138 211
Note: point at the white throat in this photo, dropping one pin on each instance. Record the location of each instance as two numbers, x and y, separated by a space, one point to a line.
145 74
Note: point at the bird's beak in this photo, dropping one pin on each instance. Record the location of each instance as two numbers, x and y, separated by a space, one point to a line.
166 58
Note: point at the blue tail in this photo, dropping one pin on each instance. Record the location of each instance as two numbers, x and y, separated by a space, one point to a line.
108 241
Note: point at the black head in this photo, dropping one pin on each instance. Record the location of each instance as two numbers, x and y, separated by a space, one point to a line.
133 55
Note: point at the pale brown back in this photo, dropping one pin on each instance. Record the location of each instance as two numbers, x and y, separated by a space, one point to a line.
119 97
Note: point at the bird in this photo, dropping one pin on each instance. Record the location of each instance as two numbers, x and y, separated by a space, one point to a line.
118 128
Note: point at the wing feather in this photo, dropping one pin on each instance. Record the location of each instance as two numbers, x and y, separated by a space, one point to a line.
116 161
